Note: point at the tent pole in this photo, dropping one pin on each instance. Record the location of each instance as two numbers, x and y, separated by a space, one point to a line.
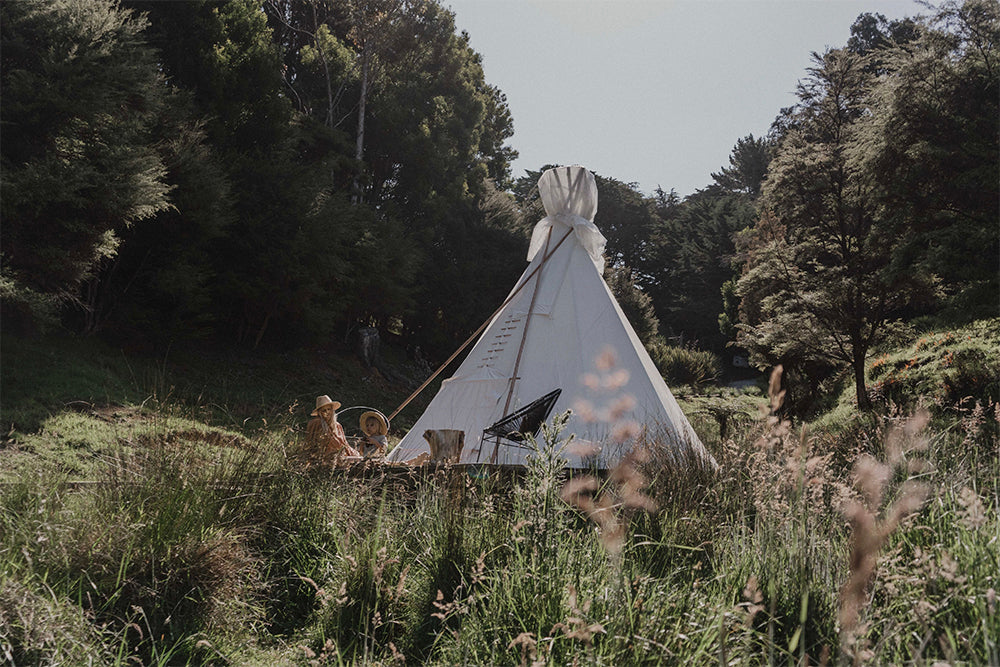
520 349
545 258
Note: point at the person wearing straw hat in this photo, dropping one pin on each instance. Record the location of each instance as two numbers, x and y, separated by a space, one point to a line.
374 430
326 443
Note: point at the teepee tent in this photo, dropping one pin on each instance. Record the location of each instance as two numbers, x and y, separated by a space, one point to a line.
560 342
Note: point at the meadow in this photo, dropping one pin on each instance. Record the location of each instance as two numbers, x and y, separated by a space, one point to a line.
150 514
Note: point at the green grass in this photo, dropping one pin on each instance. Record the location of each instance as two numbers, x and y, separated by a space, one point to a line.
940 370
200 544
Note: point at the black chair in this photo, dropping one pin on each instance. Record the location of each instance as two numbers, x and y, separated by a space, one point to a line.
518 426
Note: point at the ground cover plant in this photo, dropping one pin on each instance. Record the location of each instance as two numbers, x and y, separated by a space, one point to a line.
873 542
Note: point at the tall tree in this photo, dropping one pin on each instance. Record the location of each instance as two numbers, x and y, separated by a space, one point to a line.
287 244
82 97
319 66
627 219
433 136
433 132
816 289
873 35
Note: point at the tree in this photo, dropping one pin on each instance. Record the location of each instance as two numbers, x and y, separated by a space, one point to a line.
693 256
635 303
431 141
816 288
872 35
159 286
497 128
747 167
627 219
82 97
318 64
931 149
435 123
467 272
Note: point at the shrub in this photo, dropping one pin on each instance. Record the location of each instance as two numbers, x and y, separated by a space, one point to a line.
685 365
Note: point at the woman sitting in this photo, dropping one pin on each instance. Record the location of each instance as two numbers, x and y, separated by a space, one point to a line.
326 444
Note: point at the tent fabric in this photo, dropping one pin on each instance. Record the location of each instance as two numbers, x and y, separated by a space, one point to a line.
576 338
570 200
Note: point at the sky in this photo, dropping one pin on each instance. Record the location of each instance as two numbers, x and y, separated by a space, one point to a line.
652 92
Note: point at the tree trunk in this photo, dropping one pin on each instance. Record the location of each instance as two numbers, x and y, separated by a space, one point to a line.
326 72
860 388
90 307
359 151
263 328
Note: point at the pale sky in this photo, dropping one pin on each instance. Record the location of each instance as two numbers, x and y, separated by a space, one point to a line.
655 92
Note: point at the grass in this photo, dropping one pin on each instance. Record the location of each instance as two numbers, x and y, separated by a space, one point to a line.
200 544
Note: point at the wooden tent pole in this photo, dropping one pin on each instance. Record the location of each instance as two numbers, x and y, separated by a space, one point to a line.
545 258
520 349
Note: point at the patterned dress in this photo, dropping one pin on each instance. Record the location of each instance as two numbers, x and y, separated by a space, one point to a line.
326 443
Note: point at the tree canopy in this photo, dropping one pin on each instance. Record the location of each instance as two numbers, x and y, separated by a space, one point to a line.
82 99
196 168
883 182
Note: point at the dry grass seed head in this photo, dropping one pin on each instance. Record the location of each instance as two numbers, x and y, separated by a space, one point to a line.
973 513
576 626
580 493
607 359
902 440
625 431
585 410
528 645
775 393
871 477
479 569
401 584
868 534
381 563
397 656
753 598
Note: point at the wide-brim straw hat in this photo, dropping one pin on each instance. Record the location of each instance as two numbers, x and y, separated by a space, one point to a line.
383 427
322 401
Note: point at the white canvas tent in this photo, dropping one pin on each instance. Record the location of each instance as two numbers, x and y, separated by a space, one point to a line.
561 329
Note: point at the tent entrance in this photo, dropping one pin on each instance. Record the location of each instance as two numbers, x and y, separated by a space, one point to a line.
514 429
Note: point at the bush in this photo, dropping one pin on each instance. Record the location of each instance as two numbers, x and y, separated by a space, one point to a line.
685 365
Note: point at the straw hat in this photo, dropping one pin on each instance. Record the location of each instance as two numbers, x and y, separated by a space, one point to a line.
382 427
322 401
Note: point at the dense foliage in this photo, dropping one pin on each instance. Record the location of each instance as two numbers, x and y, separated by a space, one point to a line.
282 173
177 170
881 200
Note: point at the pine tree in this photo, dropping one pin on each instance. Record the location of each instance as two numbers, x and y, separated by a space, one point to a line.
82 96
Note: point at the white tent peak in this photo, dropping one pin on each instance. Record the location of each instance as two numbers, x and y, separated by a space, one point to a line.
569 195
569 190
547 344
